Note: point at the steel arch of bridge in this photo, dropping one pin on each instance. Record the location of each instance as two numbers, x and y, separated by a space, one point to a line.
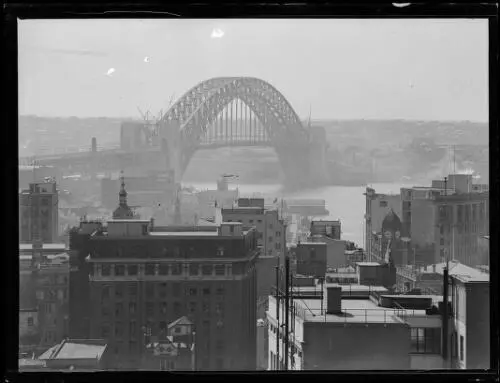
201 105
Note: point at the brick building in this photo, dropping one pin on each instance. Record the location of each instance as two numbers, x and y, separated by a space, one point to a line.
38 213
142 279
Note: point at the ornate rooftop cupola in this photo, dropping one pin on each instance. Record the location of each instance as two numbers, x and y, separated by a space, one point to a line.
123 211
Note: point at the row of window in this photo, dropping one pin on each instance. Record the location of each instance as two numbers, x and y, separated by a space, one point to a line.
162 308
134 331
152 269
425 340
161 289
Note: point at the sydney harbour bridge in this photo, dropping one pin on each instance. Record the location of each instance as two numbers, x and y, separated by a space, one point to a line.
223 111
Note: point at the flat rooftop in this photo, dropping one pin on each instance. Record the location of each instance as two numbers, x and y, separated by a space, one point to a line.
45 246
367 263
353 311
75 349
462 272
184 233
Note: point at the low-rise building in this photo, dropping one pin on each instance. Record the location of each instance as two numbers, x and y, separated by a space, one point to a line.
77 355
44 294
142 278
269 225
311 258
357 328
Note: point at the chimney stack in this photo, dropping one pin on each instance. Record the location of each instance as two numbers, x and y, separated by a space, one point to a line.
333 300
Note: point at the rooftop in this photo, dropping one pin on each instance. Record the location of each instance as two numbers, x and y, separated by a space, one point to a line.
184 234
367 263
75 349
353 311
461 272
45 246
311 243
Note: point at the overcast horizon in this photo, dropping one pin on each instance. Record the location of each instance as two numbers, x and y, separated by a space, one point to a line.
429 70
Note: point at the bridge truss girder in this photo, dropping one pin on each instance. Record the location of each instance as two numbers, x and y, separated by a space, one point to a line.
198 108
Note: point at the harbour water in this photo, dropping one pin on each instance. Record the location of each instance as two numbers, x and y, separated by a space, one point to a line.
346 203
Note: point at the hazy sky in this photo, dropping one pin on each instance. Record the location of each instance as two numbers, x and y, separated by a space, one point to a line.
384 69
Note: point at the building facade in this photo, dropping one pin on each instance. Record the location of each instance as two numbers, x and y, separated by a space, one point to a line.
461 221
38 213
377 208
44 297
141 280
311 258
269 225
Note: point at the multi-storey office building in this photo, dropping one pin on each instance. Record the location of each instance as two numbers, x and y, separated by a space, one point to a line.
269 225
44 297
141 280
469 339
38 213
340 331
460 223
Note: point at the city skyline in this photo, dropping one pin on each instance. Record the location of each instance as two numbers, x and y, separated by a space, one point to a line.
117 65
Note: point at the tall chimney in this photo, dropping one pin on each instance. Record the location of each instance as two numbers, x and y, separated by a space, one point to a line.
333 300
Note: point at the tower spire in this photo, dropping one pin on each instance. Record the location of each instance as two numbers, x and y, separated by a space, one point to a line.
123 211
123 192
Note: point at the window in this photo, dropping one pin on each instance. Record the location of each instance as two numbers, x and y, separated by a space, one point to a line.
206 269
192 307
177 309
132 327
461 348
220 345
220 291
150 269
163 326
105 311
120 270
219 308
150 291
150 309
104 292
205 363
119 291
250 221
176 289
163 269
259 221
193 269
220 269
118 329
30 322
119 309
105 270
278 234
163 307
206 307
132 269
426 340
219 363
220 324
176 269
382 204
454 345
163 290
192 291
132 289
206 291
270 239
132 307
105 331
